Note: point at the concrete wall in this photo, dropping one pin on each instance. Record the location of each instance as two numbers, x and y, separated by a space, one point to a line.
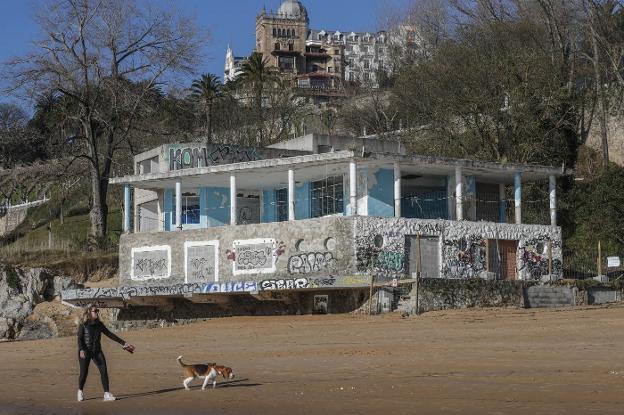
14 215
285 250
329 252
441 294
316 143
191 155
461 245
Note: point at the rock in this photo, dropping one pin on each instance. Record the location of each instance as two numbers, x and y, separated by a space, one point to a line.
20 291
36 329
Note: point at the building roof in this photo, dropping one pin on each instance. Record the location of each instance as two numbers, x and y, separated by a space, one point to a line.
273 171
292 9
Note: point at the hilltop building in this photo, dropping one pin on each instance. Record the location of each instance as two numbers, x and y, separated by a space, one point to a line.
318 60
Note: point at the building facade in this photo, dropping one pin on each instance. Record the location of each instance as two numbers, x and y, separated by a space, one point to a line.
319 60
320 214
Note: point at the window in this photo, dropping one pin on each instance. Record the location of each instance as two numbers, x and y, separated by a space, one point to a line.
274 32
327 197
364 48
336 51
367 76
277 46
351 77
281 205
330 69
286 63
190 208
366 64
290 46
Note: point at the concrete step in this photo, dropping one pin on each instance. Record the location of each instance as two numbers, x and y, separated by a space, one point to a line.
545 296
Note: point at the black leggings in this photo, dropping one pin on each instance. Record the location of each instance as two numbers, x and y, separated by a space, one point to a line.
100 362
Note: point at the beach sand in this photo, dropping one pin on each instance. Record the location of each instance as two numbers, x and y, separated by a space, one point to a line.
482 361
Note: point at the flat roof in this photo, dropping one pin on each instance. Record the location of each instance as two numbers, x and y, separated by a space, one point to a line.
273 171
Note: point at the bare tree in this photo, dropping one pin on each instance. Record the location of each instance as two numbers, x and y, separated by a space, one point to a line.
104 59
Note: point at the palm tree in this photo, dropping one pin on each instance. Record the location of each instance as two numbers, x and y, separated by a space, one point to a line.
207 90
256 74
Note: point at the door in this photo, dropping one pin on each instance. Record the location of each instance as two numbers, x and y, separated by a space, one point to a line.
508 251
429 256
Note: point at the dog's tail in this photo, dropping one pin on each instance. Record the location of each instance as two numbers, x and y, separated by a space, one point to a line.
179 359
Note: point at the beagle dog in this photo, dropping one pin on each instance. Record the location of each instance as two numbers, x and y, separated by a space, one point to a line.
209 372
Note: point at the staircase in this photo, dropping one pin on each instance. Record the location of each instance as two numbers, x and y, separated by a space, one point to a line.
540 296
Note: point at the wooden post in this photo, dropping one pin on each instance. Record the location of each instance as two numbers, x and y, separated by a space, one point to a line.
487 256
370 295
418 271
599 259
550 260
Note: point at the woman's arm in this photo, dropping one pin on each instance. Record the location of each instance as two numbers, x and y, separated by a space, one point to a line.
111 335
81 342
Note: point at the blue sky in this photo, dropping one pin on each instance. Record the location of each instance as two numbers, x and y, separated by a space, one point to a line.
228 21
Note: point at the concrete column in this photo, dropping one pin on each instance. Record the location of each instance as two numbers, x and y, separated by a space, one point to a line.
233 193
178 204
127 208
353 187
397 190
552 195
459 202
291 194
502 203
518 197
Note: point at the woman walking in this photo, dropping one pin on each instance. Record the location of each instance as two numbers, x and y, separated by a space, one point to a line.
89 348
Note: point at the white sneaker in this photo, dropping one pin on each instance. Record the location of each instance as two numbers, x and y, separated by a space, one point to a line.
109 396
80 396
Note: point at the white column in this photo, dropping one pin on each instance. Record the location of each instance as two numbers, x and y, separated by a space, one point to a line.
552 193
353 187
459 202
291 194
127 207
518 197
397 190
178 200
233 193
502 203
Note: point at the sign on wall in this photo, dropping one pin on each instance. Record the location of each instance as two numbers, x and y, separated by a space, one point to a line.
201 261
254 256
150 262
613 262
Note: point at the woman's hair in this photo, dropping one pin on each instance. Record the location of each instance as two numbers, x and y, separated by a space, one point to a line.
86 313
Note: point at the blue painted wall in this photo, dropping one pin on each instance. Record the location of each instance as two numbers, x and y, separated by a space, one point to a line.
217 206
269 211
214 203
169 215
381 195
303 206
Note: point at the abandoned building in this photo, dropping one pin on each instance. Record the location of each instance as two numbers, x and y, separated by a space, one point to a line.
319 219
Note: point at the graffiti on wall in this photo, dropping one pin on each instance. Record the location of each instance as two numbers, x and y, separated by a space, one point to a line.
309 262
201 261
230 287
255 256
465 257
284 284
191 157
533 257
372 259
150 262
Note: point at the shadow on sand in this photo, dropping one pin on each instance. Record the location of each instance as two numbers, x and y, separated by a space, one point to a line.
239 383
